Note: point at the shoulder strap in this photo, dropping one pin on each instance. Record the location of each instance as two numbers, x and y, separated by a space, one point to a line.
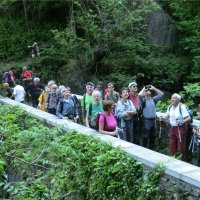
169 108
84 96
61 105
180 109
90 109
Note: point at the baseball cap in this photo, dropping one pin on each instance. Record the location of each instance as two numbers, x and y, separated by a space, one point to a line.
89 83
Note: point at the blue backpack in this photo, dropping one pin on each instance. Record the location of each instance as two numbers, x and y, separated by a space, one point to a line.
6 77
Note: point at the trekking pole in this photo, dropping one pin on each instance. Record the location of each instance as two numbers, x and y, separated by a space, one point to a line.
179 134
161 124
191 146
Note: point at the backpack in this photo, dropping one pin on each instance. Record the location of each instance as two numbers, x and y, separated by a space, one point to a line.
95 123
190 111
6 77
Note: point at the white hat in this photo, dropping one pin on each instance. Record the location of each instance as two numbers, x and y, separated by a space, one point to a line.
131 84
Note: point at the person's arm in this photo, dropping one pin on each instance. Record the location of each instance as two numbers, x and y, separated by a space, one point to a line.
87 120
101 127
142 92
132 110
119 110
58 111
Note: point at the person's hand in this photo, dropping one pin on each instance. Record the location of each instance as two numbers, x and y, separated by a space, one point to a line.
179 122
77 117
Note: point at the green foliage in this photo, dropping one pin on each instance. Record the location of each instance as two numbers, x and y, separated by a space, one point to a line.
149 188
52 164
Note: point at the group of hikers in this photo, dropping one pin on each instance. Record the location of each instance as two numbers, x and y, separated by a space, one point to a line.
129 115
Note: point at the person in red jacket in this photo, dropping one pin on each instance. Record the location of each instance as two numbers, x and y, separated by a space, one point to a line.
27 79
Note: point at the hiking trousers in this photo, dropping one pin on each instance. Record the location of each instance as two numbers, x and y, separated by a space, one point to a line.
178 136
149 132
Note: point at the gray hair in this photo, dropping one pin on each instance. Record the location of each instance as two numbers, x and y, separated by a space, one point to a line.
177 96
51 82
36 80
96 92
61 87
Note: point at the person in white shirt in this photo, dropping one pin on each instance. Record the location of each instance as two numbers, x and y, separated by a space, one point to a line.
19 93
178 117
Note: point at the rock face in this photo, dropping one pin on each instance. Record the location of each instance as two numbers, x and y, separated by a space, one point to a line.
160 30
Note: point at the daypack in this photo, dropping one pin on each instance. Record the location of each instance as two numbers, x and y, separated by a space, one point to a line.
95 123
190 111
6 77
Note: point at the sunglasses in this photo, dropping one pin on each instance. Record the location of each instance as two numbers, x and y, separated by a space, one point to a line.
54 88
134 86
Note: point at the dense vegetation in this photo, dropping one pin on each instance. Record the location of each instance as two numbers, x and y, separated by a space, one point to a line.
37 162
101 40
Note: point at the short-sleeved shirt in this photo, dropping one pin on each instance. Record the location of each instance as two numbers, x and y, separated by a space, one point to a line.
19 92
110 123
88 100
96 108
174 113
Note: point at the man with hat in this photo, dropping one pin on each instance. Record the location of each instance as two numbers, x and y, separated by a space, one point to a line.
87 99
137 122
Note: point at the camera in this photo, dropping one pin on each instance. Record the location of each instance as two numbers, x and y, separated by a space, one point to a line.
147 87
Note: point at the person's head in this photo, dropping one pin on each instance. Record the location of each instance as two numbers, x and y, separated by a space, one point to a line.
96 96
24 68
36 81
124 93
54 88
5 85
50 83
100 85
65 92
110 87
89 87
107 105
133 87
60 87
34 43
175 99
147 91
47 89
12 68
68 89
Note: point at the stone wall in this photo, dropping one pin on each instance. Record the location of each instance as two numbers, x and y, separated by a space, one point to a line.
181 180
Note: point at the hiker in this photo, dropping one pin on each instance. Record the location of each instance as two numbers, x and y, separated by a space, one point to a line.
196 131
178 117
34 50
8 90
18 93
11 77
148 105
107 121
34 90
42 99
112 95
26 76
94 108
27 79
67 108
124 111
100 87
52 100
137 119
86 100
